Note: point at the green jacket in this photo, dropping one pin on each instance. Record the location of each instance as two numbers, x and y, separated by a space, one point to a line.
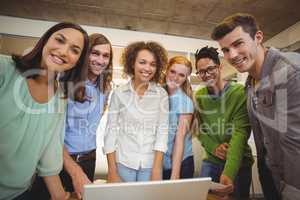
225 119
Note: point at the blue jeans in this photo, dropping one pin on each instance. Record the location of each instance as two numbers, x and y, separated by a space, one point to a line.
242 180
132 175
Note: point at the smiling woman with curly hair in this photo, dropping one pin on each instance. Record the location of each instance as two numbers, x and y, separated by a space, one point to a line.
137 129
131 51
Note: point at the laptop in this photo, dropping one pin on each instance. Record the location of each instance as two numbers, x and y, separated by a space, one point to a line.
186 189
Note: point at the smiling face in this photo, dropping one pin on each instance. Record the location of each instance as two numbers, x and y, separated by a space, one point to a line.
99 59
62 50
144 67
208 71
240 49
176 76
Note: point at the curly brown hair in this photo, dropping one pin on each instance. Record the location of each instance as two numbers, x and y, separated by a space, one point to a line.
130 54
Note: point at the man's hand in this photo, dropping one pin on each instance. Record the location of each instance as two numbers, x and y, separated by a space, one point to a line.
221 151
228 189
79 179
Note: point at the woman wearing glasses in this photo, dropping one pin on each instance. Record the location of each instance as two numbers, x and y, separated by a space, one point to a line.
224 127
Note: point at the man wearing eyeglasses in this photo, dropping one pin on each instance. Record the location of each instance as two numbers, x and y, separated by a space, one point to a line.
273 89
224 127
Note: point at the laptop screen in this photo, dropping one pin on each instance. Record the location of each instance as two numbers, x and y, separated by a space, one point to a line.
189 189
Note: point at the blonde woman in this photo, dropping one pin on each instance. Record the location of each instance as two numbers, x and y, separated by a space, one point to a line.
179 161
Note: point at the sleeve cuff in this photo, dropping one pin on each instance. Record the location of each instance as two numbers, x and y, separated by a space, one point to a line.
160 147
107 150
50 173
231 173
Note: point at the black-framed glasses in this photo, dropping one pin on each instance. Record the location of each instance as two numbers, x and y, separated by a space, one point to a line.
208 70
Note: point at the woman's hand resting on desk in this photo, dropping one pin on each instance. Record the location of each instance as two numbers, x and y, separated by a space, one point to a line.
156 175
226 190
113 177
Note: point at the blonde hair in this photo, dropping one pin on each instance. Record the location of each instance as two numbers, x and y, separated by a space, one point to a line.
186 86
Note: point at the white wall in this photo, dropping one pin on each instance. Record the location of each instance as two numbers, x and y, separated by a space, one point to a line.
285 38
35 28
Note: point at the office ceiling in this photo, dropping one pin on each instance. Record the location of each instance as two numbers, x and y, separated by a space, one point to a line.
189 18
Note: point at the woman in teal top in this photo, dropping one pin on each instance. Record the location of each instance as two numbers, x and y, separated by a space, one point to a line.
82 119
33 107
178 160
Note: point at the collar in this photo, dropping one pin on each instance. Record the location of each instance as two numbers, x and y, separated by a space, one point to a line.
226 86
90 83
270 59
128 87
177 91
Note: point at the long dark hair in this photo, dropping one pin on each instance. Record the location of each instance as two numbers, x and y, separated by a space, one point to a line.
75 75
104 79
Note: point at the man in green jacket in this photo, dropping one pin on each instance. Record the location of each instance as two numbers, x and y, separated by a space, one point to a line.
224 127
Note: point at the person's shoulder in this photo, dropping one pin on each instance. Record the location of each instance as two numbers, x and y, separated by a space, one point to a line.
286 68
288 59
5 58
2 56
121 88
158 89
292 58
200 91
6 62
182 95
7 68
237 86
237 90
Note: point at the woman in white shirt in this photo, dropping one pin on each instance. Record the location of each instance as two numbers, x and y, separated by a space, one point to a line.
137 128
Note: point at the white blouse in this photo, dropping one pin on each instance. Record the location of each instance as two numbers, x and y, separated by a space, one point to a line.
137 126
